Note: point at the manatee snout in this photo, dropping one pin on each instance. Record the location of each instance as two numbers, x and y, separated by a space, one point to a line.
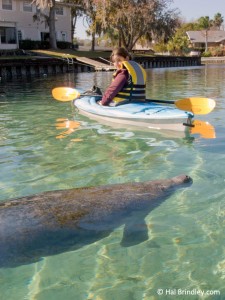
183 179
188 179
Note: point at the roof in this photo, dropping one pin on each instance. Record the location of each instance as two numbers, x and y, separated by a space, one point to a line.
214 36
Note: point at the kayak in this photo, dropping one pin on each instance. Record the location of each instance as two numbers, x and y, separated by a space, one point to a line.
146 115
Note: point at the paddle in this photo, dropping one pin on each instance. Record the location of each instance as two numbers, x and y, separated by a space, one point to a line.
196 105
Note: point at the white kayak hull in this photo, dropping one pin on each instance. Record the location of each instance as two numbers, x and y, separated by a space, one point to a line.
139 115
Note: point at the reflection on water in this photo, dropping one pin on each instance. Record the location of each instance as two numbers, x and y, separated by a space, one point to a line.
70 125
185 248
206 130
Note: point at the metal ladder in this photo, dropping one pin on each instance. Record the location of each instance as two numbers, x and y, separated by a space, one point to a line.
69 61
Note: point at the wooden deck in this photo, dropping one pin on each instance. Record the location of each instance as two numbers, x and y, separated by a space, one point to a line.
213 60
98 66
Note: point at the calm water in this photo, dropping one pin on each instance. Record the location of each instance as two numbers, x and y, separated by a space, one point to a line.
38 152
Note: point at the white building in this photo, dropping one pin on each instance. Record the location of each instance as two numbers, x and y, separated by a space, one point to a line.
16 23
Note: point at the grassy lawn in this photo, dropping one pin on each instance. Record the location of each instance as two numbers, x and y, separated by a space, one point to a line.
72 53
61 53
90 54
17 57
67 53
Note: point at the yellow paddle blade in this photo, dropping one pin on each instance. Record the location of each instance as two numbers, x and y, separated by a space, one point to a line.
196 105
205 129
65 94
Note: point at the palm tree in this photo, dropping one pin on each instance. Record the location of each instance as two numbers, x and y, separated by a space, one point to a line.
218 20
205 23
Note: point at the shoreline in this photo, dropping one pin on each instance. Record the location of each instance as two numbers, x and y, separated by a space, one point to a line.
14 67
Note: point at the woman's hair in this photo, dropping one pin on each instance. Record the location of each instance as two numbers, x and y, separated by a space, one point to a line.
120 51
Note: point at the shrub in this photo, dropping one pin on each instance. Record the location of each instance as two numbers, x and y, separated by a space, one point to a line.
34 45
206 54
64 45
217 51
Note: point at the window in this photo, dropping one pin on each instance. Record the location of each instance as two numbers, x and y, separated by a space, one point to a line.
20 35
27 6
64 36
8 35
7 4
59 10
45 36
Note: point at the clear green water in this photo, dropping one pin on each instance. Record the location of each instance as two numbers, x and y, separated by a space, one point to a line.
185 249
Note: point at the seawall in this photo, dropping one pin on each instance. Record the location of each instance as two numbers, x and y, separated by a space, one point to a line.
37 66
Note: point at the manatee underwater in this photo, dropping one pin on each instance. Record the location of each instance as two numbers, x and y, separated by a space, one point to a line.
53 222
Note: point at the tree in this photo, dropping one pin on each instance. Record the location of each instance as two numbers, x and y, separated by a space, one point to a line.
50 19
134 19
52 31
91 7
165 26
184 27
178 44
205 23
41 17
218 20
43 4
77 10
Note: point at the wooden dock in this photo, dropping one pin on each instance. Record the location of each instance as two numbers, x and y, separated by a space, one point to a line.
97 65
213 60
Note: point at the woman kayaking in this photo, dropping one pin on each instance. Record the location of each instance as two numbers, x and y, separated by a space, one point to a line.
128 83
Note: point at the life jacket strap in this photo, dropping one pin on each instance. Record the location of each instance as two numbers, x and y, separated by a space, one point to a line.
136 92
139 86
136 86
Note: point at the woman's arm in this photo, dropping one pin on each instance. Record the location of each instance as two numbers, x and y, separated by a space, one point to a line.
115 87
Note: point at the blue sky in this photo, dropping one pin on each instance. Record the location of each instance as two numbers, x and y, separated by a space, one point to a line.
190 11
194 9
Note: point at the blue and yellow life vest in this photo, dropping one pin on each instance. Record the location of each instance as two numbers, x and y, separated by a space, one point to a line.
134 90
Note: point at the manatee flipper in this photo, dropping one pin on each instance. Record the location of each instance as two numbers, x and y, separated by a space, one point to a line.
134 234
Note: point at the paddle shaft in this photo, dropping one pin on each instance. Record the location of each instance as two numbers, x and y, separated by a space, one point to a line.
160 101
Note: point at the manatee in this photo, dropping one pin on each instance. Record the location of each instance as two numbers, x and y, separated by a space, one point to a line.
54 222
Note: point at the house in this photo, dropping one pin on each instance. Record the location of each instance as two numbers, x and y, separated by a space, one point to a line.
214 38
16 23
